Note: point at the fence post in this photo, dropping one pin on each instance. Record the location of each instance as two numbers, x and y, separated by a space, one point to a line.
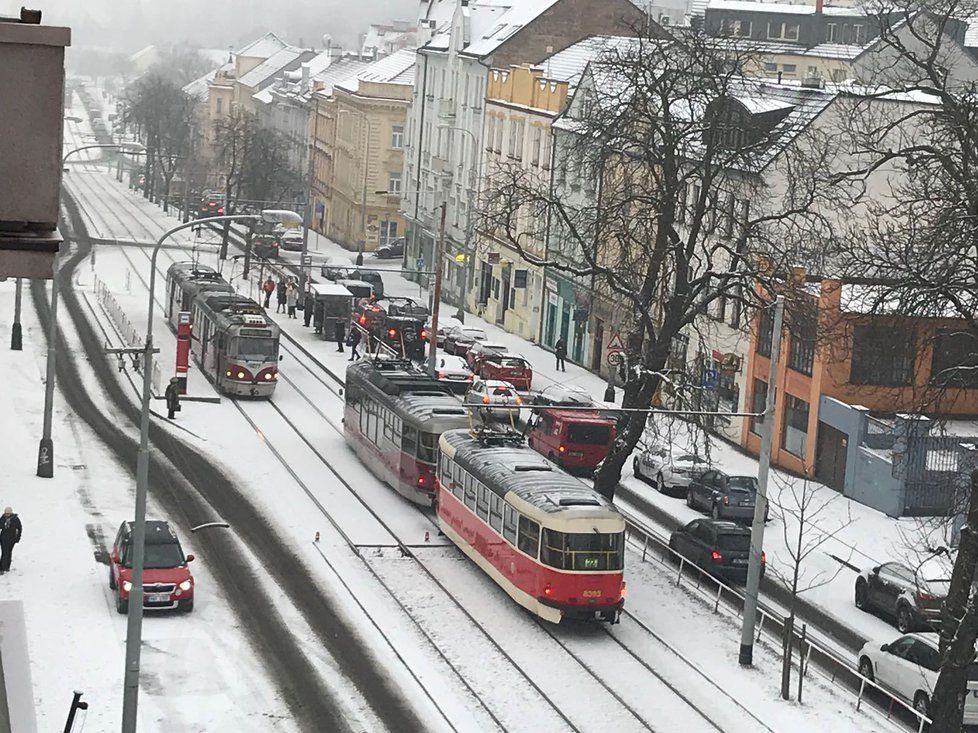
679 575
760 625
716 606
801 659
645 548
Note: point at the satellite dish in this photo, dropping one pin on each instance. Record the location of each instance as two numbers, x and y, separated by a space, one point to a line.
327 40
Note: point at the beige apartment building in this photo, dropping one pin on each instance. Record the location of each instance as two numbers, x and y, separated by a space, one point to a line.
358 148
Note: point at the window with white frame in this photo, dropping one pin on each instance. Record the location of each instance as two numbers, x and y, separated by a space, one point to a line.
736 28
500 124
516 139
536 138
858 34
779 30
831 32
545 150
397 136
394 182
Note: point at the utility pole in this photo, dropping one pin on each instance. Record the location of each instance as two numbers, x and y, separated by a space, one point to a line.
436 292
307 214
363 198
16 334
746 657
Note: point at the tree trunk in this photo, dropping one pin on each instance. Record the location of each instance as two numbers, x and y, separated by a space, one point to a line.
959 628
639 394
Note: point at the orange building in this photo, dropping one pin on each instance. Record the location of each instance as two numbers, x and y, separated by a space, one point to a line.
845 342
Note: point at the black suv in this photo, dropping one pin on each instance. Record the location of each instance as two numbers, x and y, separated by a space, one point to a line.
721 548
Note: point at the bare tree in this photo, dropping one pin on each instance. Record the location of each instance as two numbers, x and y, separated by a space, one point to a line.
806 511
922 244
660 200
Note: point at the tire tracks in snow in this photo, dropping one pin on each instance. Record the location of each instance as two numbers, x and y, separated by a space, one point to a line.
198 488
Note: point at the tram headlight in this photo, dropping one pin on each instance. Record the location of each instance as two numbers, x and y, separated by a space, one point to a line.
227 373
269 376
240 375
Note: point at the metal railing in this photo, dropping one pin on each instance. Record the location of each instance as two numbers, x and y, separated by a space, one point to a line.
122 323
834 668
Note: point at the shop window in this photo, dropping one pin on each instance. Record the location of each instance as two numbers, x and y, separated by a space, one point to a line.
765 331
801 350
757 405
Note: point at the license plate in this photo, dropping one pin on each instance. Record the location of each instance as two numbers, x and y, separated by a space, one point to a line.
739 561
576 454
158 598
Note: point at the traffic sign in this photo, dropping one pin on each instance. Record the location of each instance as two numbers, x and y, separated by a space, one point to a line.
419 263
306 259
615 343
709 378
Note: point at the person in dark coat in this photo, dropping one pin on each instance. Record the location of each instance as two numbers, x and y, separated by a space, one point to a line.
268 287
339 332
10 531
560 351
172 395
353 341
309 304
281 295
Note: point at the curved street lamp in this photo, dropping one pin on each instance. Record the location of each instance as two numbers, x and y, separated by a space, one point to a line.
135 621
45 451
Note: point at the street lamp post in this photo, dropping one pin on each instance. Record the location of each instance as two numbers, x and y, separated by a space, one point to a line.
45 451
135 621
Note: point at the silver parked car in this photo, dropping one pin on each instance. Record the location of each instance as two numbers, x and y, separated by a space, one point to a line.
669 469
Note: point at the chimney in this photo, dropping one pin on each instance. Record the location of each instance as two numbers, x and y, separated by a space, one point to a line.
818 6
305 77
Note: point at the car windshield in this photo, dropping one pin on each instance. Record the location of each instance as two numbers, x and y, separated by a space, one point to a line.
688 458
503 391
514 363
733 542
249 347
166 555
591 434
744 483
472 334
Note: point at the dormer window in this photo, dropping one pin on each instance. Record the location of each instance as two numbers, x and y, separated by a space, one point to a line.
735 28
780 31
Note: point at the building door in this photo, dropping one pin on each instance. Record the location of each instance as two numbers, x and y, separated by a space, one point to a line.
551 323
504 295
830 456
565 320
596 346
485 284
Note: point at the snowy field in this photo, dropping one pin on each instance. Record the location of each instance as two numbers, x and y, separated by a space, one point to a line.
290 455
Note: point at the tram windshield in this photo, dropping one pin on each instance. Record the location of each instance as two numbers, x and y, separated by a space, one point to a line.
579 551
427 447
255 349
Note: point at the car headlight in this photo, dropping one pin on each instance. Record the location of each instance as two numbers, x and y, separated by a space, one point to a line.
126 586
186 585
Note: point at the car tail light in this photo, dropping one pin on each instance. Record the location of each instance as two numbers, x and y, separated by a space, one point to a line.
716 556
763 557
548 590
441 374
485 399
421 481
363 319
726 501
519 401
424 335
562 449
623 585
924 596
392 333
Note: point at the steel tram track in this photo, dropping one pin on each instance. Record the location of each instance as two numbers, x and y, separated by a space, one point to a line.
405 549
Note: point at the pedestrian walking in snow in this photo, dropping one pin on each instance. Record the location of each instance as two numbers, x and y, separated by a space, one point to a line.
353 340
268 287
172 395
10 531
291 298
280 296
339 332
560 351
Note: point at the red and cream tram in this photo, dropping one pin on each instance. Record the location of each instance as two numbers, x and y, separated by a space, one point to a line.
551 542
394 415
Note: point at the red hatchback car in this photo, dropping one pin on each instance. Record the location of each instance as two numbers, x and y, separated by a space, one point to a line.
577 441
167 582
505 367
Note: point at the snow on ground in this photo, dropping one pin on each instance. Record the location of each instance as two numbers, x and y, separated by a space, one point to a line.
199 670
265 481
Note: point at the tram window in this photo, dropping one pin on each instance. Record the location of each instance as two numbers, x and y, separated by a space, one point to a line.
470 490
509 524
409 440
482 508
529 537
552 553
427 447
496 511
364 418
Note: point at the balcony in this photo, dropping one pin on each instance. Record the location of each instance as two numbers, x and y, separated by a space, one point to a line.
441 166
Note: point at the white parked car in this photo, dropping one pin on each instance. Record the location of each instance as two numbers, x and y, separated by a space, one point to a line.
490 393
292 240
908 668
669 469
453 371
481 348
460 339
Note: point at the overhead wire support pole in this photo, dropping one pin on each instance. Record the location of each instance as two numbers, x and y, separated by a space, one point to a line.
746 657
436 292
134 628
16 331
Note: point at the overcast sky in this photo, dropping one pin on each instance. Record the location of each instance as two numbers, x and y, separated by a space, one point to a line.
131 24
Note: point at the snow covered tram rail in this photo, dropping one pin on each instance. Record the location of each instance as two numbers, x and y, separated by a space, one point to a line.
234 341
393 418
555 545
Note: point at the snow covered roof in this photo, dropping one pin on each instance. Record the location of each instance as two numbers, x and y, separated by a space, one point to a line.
271 66
840 51
398 68
569 64
886 300
757 6
338 71
506 25
263 48
198 87
971 34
